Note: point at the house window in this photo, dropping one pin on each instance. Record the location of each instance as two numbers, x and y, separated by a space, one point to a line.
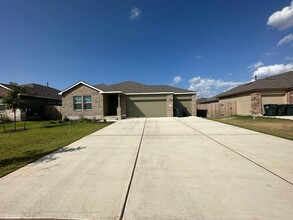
87 102
77 104
2 105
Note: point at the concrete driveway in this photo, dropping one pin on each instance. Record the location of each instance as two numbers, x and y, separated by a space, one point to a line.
157 168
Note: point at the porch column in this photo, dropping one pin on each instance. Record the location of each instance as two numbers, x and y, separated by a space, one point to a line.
123 106
119 115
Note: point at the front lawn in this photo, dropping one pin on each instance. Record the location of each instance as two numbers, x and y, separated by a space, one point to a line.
273 126
20 148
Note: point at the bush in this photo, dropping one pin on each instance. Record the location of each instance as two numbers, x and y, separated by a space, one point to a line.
5 118
84 120
66 119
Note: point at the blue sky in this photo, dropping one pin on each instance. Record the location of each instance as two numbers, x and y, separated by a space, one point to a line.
203 45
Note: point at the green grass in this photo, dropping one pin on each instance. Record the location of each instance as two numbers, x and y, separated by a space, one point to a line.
20 148
273 126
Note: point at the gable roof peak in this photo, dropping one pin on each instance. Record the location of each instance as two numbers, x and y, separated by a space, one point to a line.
78 83
5 86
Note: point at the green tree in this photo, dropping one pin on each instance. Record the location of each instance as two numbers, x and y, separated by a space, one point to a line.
14 99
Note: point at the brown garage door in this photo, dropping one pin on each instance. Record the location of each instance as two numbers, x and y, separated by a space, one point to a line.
146 106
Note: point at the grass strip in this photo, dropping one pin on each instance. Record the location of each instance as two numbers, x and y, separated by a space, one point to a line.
278 127
17 149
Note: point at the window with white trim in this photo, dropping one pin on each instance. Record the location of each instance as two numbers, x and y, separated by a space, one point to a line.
77 103
87 102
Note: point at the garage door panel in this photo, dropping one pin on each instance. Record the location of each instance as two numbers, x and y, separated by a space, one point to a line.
146 108
276 99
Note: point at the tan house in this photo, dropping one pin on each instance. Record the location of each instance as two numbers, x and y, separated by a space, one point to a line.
251 97
44 102
126 99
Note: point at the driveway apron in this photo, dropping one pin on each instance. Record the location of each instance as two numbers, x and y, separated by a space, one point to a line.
157 168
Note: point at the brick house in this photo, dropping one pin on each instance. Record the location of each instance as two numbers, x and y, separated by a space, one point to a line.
126 99
43 102
251 97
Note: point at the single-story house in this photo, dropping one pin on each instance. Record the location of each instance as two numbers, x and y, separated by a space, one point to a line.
126 99
251 97
42 100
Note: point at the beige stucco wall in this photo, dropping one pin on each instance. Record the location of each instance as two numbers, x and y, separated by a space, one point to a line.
276 97
82 90
243 103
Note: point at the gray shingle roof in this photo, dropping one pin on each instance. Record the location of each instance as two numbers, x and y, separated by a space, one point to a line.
41 91
207 100
276 82
38 90
134 87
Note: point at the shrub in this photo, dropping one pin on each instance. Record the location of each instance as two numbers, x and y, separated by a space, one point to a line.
66 119
84 120
5 118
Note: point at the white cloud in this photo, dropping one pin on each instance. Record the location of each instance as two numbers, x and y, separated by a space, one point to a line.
210 87
271 70
135 13
289 58
254 66
286 40
282 19
177 79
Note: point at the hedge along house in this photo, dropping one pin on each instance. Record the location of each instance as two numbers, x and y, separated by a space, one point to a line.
126 99
40 98
251 97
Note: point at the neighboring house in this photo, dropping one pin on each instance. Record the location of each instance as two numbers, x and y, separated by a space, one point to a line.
42 102
126 99
251 97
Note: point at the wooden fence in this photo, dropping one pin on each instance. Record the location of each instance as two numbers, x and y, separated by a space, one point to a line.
217 110
52 112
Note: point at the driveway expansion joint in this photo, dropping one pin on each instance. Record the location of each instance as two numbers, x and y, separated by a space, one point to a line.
132 174
223 145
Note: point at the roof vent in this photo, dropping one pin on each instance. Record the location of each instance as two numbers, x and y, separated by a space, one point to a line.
255 77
